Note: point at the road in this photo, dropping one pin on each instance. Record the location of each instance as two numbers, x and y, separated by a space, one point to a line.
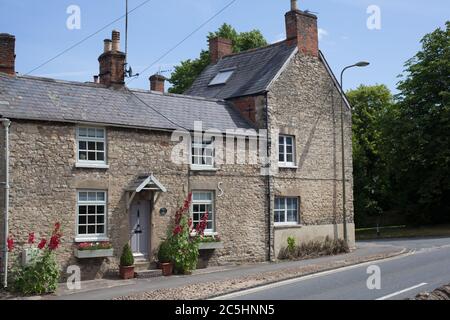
425 268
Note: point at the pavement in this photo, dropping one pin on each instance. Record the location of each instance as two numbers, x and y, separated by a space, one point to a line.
110 289
424 268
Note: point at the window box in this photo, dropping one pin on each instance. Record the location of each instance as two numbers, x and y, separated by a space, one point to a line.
210 245
89 254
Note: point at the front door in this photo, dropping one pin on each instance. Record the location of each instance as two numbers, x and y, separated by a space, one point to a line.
140 227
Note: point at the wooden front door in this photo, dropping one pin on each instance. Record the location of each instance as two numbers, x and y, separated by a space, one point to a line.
140 228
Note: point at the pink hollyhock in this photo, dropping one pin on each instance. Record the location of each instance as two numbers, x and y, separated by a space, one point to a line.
177 230
42 244
31 238
57 227
10 243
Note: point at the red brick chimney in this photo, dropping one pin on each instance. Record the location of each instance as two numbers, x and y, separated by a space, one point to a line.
157 82
219 48
7 54
301 28
112 62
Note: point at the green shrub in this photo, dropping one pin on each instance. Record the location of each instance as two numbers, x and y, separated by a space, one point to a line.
291 244
39 277
165 252
126 259
313 249
185 250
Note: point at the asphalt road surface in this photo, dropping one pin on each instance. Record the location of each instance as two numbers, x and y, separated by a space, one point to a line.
424 268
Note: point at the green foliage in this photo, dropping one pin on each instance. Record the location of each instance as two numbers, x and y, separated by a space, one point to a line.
314 249
291 244
165 252
401 148
420 144
372 105
184 248
126 259
39 277
188 70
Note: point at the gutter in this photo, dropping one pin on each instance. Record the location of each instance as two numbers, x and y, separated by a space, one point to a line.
5 184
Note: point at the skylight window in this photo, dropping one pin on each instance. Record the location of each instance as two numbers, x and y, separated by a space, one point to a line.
222 77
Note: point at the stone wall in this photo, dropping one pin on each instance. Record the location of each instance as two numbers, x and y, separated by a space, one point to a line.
44 181
304 102
2 194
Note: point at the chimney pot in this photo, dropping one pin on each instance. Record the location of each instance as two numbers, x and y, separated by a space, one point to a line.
157 82
115 40
219 48
108 45
112 63
7 54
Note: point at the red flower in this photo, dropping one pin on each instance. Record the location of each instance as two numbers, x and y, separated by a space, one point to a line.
31 238
10 242
203 224
55 241
57 227
177 230
42 244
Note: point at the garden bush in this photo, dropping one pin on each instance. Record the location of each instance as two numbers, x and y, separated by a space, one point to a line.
313 249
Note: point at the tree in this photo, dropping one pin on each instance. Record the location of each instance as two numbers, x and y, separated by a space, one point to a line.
188 70
421 160
371 106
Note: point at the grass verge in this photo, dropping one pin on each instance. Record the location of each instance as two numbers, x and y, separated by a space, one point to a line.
403 232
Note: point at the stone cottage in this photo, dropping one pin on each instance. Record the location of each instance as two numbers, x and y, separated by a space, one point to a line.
98 157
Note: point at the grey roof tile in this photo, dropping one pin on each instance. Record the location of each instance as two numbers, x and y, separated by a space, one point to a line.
35 98
255 70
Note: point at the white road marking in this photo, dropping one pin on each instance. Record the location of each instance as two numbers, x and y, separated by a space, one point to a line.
311 276
402 291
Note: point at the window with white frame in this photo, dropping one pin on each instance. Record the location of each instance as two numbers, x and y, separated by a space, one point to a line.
91 144
202 152
202 203
286 210
286 152
91 214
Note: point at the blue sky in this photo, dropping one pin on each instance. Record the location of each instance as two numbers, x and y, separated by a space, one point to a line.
41 32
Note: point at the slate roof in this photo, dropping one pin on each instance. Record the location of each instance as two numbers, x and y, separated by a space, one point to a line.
33 98
255 70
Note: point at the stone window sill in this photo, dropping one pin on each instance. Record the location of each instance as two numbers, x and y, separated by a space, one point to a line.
287 226
82 165
285 166
201 168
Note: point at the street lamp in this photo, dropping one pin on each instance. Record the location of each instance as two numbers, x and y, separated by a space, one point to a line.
360 64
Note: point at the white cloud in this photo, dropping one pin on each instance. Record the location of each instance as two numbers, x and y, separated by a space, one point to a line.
322 33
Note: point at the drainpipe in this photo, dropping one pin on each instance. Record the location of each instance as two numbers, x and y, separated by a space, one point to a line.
6 123
269 185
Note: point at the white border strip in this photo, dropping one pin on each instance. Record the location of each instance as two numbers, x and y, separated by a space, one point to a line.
402 291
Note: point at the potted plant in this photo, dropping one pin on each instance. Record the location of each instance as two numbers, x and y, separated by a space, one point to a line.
164 258
126 267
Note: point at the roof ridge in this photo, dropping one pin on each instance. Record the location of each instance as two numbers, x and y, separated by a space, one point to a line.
101 86
68 82
256 49
180 96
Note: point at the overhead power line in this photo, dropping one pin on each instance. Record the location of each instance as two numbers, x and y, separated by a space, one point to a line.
87 38
185 38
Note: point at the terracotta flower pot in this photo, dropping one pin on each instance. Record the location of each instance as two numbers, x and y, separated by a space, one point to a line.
167 269
126 272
